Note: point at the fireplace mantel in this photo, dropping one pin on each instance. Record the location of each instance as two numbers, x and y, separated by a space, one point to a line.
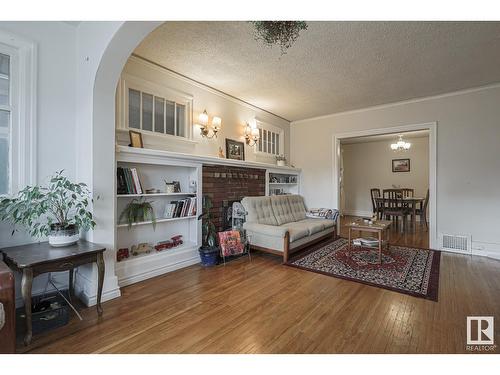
205 160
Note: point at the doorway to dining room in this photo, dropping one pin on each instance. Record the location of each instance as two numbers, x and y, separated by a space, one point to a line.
387 175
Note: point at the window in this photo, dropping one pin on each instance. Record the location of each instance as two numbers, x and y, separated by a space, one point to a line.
5 115
17 117
155 109
271 139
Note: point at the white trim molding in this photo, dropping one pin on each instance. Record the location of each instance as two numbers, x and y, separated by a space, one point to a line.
24 89
432 128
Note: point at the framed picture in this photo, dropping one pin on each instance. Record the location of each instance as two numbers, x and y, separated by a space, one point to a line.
400 165
235 150
230 243
135 139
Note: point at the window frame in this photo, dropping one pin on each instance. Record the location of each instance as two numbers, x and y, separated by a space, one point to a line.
22 108
271 128
128 81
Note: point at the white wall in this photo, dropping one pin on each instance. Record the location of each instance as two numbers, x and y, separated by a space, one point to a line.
468 157
234 114
369 165
55 111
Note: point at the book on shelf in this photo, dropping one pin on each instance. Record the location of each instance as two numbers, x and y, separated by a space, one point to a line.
128 181
181 208
137 182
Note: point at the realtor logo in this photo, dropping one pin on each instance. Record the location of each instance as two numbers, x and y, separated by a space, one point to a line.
480 330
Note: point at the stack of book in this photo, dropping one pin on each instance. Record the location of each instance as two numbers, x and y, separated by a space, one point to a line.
181 208
366 242
128 181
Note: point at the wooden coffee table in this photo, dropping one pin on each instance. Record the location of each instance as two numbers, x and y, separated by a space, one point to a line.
380 227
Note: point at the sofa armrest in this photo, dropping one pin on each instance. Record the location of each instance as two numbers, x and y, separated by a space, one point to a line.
268 230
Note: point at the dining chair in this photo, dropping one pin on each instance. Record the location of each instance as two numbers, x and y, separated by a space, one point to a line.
407 192
375 193
422 211
394 208
393 193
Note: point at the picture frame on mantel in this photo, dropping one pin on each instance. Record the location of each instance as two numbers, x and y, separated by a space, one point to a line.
135 139
400 165
235 150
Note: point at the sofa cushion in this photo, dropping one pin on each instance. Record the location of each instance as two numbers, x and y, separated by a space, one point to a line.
327 223
313 225
297 206
281 209
268 230
259 210
296 230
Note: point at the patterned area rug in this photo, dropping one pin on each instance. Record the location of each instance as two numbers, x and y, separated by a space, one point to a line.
406 270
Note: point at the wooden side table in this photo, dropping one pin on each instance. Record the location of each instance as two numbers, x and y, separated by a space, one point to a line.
34 259
380 227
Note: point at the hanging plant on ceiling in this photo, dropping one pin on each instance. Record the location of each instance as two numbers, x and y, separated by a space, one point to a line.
282 33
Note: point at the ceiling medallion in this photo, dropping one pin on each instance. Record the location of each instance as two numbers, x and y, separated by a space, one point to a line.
282 33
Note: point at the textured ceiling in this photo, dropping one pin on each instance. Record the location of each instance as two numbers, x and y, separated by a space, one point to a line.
333 66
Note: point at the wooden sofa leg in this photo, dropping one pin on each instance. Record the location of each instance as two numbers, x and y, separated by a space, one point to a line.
286 247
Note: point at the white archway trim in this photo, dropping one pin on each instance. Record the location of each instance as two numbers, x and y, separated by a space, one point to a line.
103 51
432 128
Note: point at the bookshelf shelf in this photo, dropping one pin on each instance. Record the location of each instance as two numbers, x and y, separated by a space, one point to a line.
145 266
162 220
157 254
281 182
155 195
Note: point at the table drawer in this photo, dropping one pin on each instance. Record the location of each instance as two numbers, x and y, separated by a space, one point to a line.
65 265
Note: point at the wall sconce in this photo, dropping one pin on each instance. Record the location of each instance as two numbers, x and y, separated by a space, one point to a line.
205 127
252 133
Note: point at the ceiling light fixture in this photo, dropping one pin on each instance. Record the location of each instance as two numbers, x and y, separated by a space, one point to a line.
400 145
205 127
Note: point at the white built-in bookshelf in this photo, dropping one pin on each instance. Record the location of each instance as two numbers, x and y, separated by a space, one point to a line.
279 182
153 170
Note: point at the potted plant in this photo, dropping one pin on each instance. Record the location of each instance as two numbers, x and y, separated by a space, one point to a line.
138 210
281 160
209 252
58 210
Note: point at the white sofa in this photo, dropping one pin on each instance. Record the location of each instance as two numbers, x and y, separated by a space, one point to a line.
278 224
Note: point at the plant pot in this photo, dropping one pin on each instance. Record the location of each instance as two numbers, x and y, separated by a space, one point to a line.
63 235
209 255
281 163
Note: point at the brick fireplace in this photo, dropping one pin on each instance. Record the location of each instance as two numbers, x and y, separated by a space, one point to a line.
226 185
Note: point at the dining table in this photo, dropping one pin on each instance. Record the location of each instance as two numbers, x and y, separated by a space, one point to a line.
407 202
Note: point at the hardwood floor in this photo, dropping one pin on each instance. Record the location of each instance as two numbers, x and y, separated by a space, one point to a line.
263 306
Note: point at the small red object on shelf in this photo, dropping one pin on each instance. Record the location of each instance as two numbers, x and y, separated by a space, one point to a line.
164 245
177 240
122 254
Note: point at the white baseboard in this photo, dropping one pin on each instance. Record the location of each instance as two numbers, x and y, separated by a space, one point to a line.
158 271
106 296
487 249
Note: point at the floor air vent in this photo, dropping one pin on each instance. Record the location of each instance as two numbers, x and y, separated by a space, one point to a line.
458 243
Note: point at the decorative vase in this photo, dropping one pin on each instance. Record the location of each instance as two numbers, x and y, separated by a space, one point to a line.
169 188
281 163
63 236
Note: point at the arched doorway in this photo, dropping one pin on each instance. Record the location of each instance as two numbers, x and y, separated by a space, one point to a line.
104 48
